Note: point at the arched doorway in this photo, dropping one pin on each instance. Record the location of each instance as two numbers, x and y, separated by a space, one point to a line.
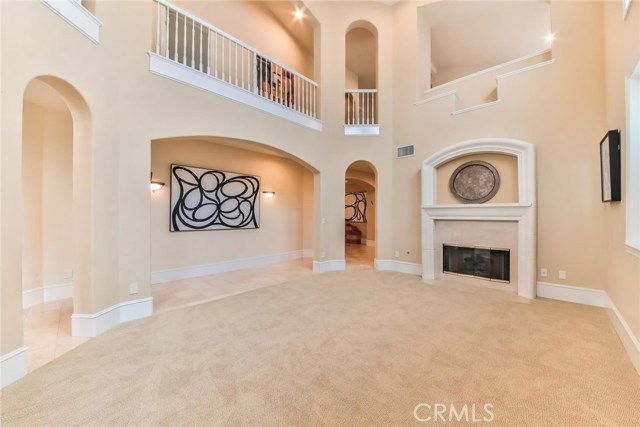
360 215
55 177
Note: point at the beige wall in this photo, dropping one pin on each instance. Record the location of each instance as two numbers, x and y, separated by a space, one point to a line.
281 218
622 47
563 109
47 188
548 107
507 167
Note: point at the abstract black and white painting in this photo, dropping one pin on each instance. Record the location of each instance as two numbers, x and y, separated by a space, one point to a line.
355 207
204 199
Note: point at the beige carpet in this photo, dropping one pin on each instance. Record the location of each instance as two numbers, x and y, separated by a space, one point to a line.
342 349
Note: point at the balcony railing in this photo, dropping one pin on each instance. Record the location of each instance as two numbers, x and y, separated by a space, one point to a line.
194 43
360 107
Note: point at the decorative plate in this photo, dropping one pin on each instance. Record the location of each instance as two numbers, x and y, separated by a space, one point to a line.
474 182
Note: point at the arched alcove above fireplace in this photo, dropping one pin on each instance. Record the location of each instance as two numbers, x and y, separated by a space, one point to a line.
449 223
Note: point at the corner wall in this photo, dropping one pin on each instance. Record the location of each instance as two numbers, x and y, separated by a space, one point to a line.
622 52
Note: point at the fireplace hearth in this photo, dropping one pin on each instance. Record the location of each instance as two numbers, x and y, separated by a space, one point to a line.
474 261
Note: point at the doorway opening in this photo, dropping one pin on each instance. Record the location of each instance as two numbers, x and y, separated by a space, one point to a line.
360 215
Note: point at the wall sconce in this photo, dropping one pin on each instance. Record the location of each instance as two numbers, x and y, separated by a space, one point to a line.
269 194
155 185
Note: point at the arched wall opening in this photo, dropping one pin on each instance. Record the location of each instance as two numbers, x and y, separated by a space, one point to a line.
283 225
56 206
361 74
360 215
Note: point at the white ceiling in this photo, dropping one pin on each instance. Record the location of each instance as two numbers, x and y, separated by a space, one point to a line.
485 33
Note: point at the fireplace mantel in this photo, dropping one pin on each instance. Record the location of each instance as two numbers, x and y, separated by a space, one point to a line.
489 212
523 212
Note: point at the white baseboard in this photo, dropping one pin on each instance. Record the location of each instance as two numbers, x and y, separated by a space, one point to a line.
398 266
629 340
307 253
597 298
222 267
579 295
329 265
44 294
13 366
91 325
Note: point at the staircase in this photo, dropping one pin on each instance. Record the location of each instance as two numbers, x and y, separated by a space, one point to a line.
351 234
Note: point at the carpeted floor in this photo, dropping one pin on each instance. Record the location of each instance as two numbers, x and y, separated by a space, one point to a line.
359 348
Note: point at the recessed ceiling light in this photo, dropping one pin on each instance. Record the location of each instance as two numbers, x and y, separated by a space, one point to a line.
299 14
550 38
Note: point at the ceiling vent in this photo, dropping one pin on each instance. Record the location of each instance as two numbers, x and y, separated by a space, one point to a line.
405 151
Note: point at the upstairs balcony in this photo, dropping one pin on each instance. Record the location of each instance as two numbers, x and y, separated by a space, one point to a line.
190 50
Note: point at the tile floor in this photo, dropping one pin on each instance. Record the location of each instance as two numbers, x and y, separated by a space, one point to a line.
47 327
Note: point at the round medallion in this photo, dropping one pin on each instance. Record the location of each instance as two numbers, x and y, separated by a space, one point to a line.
474 182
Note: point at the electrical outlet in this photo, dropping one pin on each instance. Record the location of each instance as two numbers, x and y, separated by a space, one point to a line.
323 221
133 288
397 254
544 272
562 274
322 254
67 273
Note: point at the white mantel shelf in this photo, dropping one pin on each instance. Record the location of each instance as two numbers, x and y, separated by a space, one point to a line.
485 212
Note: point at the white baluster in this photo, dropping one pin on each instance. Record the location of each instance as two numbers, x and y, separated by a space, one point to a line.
373 113
256 86
184 48
208 51
215 54
175 56
193 48
201 39
158 9
222 56
236 70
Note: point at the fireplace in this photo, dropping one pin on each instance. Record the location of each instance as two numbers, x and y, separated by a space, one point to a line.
480 262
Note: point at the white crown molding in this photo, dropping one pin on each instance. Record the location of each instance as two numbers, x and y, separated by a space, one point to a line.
398 266
76 15
189 272
13 366
48 293
91 325
181 73
329 265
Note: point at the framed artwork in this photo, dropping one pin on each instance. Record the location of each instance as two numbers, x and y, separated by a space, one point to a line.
474 182
626 4
610 176
205 199
355 207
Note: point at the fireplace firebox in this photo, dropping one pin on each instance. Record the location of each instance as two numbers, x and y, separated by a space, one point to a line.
474 261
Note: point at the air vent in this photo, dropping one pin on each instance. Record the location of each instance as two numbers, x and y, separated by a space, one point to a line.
405 151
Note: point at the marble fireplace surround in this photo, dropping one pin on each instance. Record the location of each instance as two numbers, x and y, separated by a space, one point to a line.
523 212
